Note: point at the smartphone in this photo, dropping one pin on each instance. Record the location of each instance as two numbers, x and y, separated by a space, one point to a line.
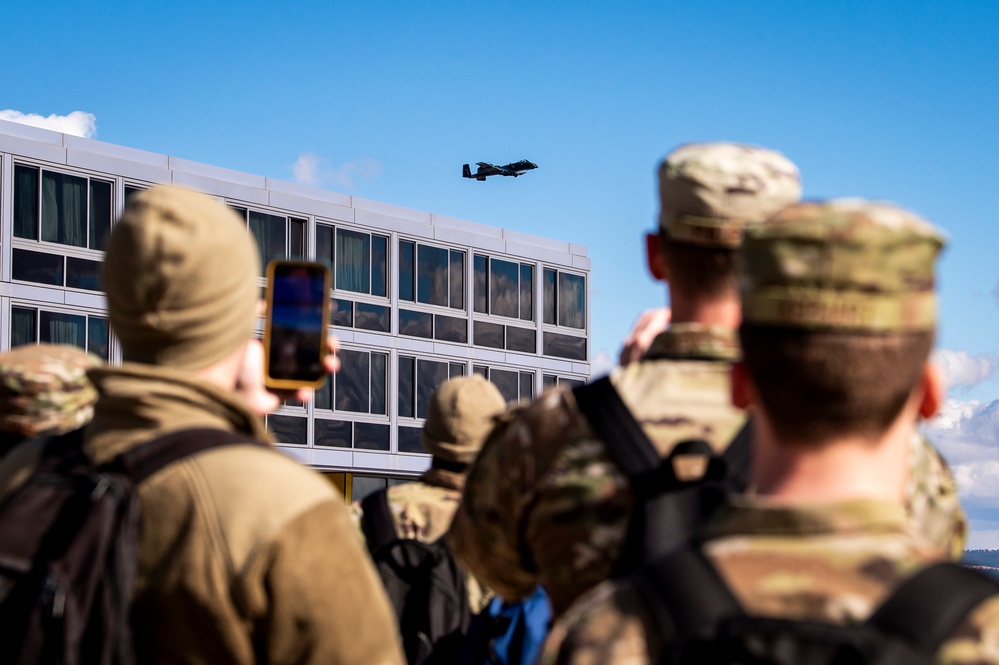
298 308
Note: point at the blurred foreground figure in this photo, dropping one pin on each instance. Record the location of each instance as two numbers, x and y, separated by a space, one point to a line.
838 323
243 555
545 501
44 390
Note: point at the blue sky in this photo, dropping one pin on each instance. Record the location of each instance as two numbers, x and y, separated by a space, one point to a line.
886 100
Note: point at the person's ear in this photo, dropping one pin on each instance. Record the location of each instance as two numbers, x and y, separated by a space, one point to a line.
741 390
654 257
933 390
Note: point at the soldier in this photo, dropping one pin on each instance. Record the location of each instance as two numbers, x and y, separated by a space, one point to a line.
462 412
544 503
838 323
44 390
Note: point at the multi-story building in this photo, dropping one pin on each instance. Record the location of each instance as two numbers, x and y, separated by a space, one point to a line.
417 297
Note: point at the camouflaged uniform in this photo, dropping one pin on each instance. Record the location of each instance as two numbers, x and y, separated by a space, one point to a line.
544 503
44 390
843 266
832 563
461 413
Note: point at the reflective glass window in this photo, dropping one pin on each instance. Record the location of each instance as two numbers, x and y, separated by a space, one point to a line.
564 346
332 433
289 429
351 391
526 385
362 486
480 265
416 324
407 267
25 202
456 369
372 317
64 209
100 213
508 383
98 339
432 275
481 370
342 312
407 387
269 232
450 329
324 246
83 274
353 261
572 383
23 328
521 339
457 279
429 375
550 303
62 328
379 265
296 239
371 436
410 440
488 334
504 292
526 292
379 378
37 267
571 300
548 380
323 397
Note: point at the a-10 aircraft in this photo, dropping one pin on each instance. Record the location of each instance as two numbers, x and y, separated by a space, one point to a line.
486 169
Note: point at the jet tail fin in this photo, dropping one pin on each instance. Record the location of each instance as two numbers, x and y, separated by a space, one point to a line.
466 171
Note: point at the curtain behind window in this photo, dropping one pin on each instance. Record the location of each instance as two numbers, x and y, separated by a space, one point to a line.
269 232
64 200
62 329
353 261
572 300
22 326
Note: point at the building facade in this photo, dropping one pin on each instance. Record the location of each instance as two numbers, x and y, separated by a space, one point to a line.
417 297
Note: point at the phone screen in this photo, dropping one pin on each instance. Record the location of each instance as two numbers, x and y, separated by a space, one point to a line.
296 336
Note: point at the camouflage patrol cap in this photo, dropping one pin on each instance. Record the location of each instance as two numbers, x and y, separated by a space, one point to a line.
460 416
44 389
847 264
708 192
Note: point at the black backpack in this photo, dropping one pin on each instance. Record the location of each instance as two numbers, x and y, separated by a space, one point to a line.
703 622
425 586
668 511
68 548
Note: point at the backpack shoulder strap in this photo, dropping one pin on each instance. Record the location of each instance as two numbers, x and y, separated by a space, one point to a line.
144 460
613 421
376 520
928 607
686 593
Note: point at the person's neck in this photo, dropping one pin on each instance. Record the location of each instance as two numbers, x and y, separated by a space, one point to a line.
723 311
844 468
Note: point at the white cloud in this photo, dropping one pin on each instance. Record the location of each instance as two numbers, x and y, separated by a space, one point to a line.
601 363
311 169
967 433
962 370
77 123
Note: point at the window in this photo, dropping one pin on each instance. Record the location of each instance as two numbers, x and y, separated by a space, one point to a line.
418 379
359 386
503 288
564 299
277 237
513 385
549 380
347 434
362 315
30 326
433 326
289 429
511 338
431 275
55 269
61 208
359 260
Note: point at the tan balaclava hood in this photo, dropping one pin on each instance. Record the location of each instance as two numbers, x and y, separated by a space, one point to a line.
180 274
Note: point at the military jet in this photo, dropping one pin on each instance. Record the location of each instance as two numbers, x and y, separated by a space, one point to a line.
486 169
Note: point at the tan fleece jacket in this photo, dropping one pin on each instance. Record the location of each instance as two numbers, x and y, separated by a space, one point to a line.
245 556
